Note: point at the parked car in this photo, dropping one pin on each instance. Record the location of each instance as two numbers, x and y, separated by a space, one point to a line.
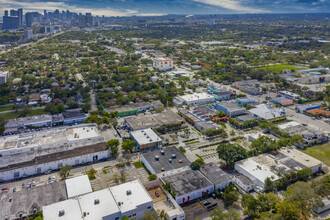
206 202
5 189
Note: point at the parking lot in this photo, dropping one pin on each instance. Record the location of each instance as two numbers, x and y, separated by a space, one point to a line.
199 208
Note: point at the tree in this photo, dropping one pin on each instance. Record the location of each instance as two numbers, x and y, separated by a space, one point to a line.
321 186
264 126
304 174
230 195
64 172
182 150
269 185
221 114
2 125
152 177
218 214
150 216
287 210
91 174
303 197
197 164
128 145
231 153
86 107
113 146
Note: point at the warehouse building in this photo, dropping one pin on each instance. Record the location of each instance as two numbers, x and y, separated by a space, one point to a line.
165 162
282 101
26 202
260 167
268 112
129 199
216 175
189 185
154 120
255 171
245 101
230 108
290 95
74 116
131 109
13 125
220 94
198 119
146 139
244 182
195 99
306 107
35 153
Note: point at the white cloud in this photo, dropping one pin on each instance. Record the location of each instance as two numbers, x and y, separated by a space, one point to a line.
62 5
232 5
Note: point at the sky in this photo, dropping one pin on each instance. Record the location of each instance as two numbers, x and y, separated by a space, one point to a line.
163 7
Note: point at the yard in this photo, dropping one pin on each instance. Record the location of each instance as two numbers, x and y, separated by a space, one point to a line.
278 68
321 152
12 115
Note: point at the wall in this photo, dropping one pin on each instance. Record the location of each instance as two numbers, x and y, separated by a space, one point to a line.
194 195
54 165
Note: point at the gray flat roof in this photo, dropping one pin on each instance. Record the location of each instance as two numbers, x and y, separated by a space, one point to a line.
26 200
129 107
214 173
155 120
231 106
187 182
244 179
163 159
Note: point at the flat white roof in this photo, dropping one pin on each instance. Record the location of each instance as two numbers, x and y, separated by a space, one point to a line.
288 125
145 136
257 170
98 205
266 112
300 157
78 186
138 195
70 207
196 97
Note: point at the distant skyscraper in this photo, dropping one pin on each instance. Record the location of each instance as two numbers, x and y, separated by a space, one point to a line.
10 23
6 13
13 13
20 17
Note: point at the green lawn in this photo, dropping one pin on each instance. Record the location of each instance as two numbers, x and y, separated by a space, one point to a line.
279 67
321 152
12 115
6 108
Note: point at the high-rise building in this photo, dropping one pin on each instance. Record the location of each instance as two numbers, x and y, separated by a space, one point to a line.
6 13
10 23
20 17
89 20
13 13
28 34
32 17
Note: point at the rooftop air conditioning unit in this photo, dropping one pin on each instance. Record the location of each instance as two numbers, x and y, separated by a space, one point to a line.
128 192
61 213
96 201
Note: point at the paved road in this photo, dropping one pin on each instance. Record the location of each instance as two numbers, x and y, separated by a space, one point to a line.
304 119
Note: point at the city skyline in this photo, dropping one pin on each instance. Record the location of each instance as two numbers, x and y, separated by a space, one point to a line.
162 7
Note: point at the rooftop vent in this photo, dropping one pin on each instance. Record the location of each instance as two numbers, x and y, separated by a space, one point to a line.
128 192
119 203
96 201
61 213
